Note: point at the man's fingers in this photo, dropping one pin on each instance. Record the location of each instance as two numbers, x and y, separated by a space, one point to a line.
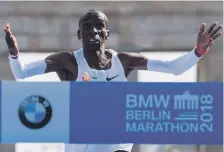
202 29
216 30
7 29
7 26
211 43
211 27
215 36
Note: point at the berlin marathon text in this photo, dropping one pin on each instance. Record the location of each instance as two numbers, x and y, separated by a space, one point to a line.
183 127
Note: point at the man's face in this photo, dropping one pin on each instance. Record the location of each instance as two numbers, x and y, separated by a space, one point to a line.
93 30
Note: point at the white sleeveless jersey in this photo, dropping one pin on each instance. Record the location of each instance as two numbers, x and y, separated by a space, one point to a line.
85 74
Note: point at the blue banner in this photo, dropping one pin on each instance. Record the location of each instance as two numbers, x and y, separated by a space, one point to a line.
0 112
141 113
107 113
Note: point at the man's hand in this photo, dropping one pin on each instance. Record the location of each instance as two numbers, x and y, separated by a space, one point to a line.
11 41
206 39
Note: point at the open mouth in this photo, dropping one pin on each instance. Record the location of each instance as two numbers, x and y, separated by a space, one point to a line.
94 41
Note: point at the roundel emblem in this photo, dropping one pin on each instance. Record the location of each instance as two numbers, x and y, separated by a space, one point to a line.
35 112
85 77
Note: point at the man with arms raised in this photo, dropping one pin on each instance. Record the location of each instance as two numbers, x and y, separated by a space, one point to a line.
93 62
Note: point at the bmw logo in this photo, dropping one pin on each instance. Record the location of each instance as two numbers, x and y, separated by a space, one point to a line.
35 112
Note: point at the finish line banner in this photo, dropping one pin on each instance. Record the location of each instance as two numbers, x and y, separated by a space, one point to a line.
106 113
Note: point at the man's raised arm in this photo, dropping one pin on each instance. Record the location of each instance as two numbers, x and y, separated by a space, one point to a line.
21 70
179 65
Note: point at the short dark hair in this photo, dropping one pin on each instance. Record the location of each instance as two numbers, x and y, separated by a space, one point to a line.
93 11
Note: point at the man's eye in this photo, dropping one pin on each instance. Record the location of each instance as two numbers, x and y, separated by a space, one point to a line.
100 25
86 25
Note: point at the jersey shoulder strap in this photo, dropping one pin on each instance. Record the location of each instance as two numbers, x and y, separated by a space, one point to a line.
116 60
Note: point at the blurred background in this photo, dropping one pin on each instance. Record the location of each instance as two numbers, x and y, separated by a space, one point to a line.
161 30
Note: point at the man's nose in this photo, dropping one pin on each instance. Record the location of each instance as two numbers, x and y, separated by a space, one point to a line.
94 31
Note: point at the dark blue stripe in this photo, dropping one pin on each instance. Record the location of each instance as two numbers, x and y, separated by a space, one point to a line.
98 113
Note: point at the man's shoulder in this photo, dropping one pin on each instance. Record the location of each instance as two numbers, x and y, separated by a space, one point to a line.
61 56
64 53
121 55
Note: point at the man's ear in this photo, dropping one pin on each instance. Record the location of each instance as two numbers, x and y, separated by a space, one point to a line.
79 34
107 35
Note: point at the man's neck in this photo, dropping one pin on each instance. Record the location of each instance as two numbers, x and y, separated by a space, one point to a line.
94 53
95 58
